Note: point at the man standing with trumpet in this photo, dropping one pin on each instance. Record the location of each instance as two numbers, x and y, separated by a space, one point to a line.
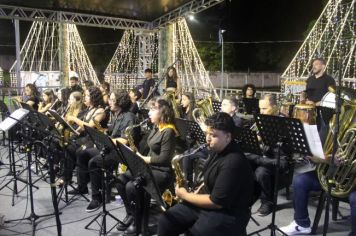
224 207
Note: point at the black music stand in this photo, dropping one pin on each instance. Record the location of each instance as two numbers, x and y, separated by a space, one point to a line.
143 178
29 143
64 187
106 147
183 127
197 132
276 131
248 140
216 106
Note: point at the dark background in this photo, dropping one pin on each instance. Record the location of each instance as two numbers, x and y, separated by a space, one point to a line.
261 35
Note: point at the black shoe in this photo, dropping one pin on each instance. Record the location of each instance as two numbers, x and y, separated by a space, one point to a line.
131 230
265 209
122 226
93 205
78 191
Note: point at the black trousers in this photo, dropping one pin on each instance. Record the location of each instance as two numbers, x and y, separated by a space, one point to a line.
184 217
128 192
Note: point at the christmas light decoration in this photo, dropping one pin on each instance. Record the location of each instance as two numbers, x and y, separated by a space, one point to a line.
41 53
333 38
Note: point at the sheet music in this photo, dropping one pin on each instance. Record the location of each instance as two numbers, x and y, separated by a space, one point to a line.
313 138
9 122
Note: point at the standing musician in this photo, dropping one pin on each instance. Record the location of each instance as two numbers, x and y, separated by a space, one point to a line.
161 143
188 105
317 87
74 85
94 116
32 97
223 208
172 83
147 84
264 165
48 98
89 160
249 101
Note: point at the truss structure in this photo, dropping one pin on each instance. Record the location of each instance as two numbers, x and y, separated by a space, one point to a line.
137 51
1 77
190 70
43 50
33 14
333 38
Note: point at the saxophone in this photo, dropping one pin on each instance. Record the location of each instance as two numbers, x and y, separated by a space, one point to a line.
129 135
167 196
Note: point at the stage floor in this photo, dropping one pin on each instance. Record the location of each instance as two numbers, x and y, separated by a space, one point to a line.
74 217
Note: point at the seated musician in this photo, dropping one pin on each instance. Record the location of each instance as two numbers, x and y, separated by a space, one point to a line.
264 165
31 96
89 160
135 95
229 105
61 105
93 116
303 184
161 143
48 98
188 105
87 84
223 207
249 101
105 91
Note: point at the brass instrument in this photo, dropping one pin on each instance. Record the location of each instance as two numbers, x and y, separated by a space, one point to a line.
170 96
344 179
97 124
129 136
167 196
204 109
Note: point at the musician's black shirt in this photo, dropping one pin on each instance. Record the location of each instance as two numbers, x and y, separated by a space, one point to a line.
250 106
134 108
161 144
147 85
228 178
318 87
120 123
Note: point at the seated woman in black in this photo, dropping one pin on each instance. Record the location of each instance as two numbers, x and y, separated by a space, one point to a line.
223 208
32 96
188 105
161 143
93 115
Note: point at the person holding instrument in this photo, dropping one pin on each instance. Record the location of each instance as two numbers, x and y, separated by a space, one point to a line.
223 207
188 105
173 83
161 143
89 160
31 96
48 98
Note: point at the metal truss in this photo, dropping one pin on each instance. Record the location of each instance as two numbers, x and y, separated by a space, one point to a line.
191 7
32 14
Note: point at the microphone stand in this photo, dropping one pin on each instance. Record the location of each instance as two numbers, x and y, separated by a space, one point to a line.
155 87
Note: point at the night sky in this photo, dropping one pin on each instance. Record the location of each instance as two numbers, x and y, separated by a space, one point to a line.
248 25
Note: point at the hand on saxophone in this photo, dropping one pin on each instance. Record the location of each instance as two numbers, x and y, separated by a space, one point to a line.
180 192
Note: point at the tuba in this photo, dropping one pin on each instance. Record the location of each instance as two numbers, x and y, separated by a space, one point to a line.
343 179
171 96
204 109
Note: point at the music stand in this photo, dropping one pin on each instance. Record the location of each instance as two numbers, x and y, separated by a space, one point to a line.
183 128
143 179
248 140
29 143
276 131
64 187
26 106
216 106
106 147
197 132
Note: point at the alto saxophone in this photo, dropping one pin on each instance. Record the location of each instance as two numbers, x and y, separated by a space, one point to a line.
167 196
129 135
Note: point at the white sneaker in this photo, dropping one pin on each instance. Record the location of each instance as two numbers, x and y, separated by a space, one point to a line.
295 229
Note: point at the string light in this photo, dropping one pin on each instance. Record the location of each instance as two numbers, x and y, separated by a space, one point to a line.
333 38
41 52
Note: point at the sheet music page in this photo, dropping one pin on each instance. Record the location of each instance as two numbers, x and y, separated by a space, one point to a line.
316 148
10 122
